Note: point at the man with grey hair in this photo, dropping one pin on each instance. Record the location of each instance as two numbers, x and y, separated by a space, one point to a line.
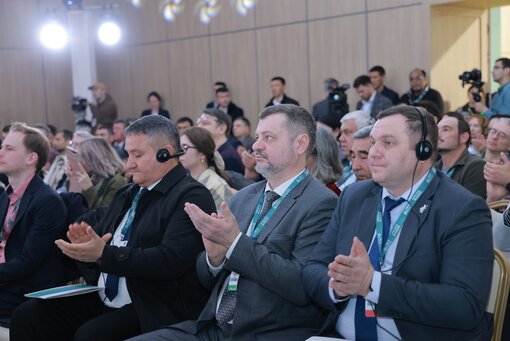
256 251
359 153
142 252
322 108
351 123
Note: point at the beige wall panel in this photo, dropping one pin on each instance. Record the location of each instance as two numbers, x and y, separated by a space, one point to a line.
114 69
382 4
190 79
396 41
328 8
455 48
146 24
282 51
331 57
22 92
18 23
187 24
150 72
234 60
59 88
228 20
278 12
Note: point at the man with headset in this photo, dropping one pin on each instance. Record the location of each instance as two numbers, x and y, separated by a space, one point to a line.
143 251
427 272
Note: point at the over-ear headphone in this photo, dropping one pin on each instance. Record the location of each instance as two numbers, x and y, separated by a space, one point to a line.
423 148
163 155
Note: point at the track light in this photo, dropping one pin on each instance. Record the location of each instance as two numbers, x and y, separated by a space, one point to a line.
109 32
53 35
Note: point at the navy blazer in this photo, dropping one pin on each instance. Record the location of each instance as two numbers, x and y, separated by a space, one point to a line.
33 261
439 286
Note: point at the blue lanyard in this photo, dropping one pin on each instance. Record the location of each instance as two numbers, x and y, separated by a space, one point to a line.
419 98
257 228
395 231
450 171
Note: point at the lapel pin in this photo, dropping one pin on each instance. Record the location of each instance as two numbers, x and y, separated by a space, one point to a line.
423 208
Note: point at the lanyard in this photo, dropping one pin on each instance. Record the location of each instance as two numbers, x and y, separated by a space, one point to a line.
450 171
395 231
258 227
419 98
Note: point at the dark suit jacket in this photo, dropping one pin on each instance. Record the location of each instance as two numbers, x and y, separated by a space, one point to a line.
162 112
33 260
440 283
285 100
271 302
392 95
432 95
159 260
322 108
234 111
380 103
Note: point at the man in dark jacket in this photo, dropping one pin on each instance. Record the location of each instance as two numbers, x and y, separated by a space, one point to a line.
143 251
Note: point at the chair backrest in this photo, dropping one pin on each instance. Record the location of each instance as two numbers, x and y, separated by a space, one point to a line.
499 293
499 205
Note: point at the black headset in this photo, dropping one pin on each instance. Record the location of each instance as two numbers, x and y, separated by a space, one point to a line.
423 148
163 155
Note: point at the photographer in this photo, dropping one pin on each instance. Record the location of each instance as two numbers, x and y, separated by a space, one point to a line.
500 104
105 110
475 95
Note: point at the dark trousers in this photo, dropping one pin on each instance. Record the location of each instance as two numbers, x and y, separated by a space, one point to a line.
182 332
82 317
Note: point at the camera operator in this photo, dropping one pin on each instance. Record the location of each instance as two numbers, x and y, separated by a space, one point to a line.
335 102
475 95
105 110
500 104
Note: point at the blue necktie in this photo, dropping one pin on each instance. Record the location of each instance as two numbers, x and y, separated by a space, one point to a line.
366 327
112 280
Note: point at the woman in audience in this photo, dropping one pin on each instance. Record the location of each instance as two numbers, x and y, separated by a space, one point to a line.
99 173
155 103
478 126
205 164
324 163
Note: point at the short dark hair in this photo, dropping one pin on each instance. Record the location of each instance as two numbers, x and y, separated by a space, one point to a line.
462 125
221 84
413 116
245 120
53 129
107 128
331 121
154 94
221 117
299 121
68 134
278 78
122 121
159 130
330 84
34 141
361 80
505 61
184 119
222 89
379 69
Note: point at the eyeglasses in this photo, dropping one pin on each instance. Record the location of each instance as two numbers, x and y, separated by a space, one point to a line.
205 120
498 134
415 79
185 147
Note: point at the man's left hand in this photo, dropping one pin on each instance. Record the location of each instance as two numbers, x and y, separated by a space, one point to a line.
351 275
498 173
89 251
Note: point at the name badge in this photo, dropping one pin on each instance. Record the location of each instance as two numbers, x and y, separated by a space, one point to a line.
369 311
232 281
123 243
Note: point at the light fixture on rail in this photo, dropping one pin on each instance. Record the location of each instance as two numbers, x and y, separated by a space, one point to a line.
109 32
53 35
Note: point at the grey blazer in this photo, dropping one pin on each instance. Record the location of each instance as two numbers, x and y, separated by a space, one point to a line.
271 300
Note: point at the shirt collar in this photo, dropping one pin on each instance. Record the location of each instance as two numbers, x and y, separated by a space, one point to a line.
283 187
407 194
371 99
15 195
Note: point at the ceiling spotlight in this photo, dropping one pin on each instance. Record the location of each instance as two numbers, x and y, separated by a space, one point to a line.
53 35
136 3
171 8
242 6
207 9
109 33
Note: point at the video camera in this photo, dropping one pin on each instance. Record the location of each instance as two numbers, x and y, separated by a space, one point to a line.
473 77
338 100
78 104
